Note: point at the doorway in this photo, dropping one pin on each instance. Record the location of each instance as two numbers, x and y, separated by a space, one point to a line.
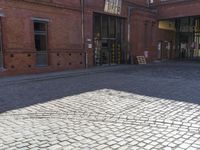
108 40
164 50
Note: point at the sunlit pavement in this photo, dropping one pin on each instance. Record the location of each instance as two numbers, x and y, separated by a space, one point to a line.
151 107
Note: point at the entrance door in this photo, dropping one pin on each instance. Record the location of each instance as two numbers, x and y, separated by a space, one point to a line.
164 50
1 45
159 55
105 52
108 39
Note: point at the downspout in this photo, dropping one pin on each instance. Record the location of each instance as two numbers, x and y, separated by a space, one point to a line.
83 32
129 35
1 41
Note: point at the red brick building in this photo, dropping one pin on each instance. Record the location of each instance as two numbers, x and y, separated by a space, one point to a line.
53 35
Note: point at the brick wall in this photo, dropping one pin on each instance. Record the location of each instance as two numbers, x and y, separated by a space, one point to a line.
64 36
65 45
178 9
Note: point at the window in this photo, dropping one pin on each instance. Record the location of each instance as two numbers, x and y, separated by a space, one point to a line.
40 30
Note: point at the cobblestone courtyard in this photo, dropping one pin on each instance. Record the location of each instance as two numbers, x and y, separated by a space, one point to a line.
152 107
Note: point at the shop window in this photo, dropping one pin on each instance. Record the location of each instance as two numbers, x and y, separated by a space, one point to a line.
41 40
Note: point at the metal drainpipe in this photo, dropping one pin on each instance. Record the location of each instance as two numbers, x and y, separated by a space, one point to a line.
1 43
129 33
83 31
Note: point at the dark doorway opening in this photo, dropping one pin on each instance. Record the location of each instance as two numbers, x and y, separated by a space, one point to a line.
108 40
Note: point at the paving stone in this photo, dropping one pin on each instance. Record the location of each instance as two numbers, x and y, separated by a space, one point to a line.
136 107
184 146
55 147
102 146
68 148
133 143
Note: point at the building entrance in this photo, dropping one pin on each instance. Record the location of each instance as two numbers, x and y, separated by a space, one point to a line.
164 50
108 40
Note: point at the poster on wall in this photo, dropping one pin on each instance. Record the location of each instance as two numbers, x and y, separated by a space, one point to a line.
113 6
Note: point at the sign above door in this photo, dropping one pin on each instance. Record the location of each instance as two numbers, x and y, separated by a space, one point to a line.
113 6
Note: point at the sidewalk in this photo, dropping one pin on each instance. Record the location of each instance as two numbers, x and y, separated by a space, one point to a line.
55 75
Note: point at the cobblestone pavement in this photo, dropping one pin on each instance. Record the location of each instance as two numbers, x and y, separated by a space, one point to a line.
153 107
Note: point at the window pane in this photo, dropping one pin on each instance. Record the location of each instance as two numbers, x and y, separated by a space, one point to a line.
104 26
40 42
97 26
38 26
42 58
112 27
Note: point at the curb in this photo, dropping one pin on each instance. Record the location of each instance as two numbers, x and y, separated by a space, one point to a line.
58 75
